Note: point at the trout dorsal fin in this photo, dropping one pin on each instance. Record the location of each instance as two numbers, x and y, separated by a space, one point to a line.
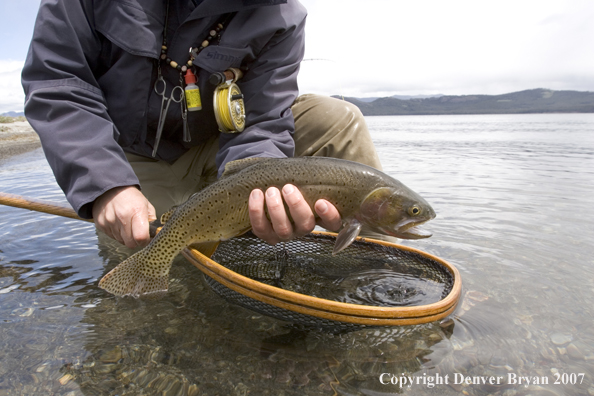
239 165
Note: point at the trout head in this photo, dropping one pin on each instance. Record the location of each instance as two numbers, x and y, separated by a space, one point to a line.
396 211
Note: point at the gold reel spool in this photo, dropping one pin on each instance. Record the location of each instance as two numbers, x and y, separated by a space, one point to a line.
229 108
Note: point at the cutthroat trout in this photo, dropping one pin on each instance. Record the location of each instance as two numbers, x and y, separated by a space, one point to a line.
363 195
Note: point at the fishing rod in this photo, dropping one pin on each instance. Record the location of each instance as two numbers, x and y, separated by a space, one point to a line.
52 208
18 201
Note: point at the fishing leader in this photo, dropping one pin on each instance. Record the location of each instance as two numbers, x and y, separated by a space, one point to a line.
101 79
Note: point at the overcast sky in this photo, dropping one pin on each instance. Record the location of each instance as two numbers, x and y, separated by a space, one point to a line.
387 47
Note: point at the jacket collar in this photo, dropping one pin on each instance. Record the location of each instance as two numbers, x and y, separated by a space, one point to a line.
263 2
218 7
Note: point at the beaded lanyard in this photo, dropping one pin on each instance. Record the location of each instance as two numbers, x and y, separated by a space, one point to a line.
190 96
214 32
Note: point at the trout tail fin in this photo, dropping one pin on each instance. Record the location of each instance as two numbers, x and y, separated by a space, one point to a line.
127 279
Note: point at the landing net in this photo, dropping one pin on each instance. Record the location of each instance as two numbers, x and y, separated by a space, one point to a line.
370 283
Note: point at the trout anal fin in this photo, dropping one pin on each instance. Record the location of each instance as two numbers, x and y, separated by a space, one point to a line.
167 215
127 279
347 235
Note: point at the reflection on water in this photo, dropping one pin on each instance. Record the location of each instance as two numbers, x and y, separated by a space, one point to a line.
513 198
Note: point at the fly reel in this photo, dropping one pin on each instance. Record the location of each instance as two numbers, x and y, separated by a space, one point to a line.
228 104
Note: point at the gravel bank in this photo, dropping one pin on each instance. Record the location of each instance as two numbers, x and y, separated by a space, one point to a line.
17 138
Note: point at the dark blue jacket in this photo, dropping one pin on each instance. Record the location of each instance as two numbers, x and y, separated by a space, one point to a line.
91 68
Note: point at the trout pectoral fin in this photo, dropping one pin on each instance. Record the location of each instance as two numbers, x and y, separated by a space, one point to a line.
206 248
347 235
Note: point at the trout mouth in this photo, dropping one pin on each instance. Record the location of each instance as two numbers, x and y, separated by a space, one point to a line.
410 229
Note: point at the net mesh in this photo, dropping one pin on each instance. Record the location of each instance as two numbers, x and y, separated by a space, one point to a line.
365 273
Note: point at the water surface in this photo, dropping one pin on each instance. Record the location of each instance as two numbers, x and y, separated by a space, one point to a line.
513 195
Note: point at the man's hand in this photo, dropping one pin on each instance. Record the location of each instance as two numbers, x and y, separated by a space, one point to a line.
279 227
123 213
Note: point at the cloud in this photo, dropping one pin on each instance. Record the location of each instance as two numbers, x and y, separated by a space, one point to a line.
12 97
454 47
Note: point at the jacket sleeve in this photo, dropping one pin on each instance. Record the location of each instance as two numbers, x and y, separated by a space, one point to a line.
269 88
66 107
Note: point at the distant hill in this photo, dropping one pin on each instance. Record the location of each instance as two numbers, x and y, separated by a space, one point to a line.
13 114
529 101
401 97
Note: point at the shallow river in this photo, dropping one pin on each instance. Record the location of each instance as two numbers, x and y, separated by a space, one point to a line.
513 194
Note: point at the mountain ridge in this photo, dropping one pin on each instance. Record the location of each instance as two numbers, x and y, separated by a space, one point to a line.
539 100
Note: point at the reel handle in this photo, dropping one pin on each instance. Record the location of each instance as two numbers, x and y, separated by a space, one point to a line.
232 74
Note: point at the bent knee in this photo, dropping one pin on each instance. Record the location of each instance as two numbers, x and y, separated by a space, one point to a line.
326 109
351 108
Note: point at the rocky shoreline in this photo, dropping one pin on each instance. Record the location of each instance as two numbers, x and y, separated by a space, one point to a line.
17 137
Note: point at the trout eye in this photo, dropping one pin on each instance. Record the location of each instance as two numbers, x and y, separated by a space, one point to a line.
414 210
